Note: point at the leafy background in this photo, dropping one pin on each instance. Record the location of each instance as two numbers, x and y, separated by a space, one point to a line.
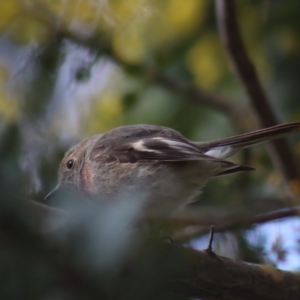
70 69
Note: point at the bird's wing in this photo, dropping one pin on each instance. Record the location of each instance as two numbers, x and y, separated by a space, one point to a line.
226 147
155 149
150 149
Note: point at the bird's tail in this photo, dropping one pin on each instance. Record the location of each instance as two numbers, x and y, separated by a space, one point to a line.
226 147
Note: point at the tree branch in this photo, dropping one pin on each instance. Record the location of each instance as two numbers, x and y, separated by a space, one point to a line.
51 219
195 274
48 219
244 69
213 277
196 226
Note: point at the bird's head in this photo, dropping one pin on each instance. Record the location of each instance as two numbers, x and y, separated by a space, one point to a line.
70 169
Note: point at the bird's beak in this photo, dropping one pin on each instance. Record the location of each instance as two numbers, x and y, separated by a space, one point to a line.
53 193
62 190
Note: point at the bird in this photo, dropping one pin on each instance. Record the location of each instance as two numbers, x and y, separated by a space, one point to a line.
158 164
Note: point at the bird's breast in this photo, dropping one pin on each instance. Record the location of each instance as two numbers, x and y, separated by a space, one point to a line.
87 178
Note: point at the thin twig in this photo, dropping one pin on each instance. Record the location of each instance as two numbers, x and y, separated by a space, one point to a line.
210 241
231 222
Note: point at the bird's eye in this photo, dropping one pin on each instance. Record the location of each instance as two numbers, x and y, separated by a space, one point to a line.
70 164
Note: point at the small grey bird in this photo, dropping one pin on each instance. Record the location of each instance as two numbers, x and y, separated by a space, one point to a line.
154 162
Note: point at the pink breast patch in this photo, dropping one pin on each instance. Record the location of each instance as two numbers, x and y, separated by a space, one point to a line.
87 179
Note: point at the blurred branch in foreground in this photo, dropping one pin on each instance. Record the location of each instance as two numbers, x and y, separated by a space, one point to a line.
230 35
195 223
195 274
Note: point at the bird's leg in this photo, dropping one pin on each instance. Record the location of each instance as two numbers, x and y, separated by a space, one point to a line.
210 241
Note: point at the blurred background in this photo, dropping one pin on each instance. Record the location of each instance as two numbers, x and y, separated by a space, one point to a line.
71 69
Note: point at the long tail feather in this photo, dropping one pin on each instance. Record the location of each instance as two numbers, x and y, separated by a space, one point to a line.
226 147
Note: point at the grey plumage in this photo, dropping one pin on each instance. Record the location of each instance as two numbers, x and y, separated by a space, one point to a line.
156 161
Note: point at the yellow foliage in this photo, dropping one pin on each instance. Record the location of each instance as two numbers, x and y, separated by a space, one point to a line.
62 8
129 42
144 26
125 12
183 16
9 9
26 29
172 21
86 11
128 45
106 113
288 41
3 74
69 10
21 25
8 108
105 15
137 27
206 61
